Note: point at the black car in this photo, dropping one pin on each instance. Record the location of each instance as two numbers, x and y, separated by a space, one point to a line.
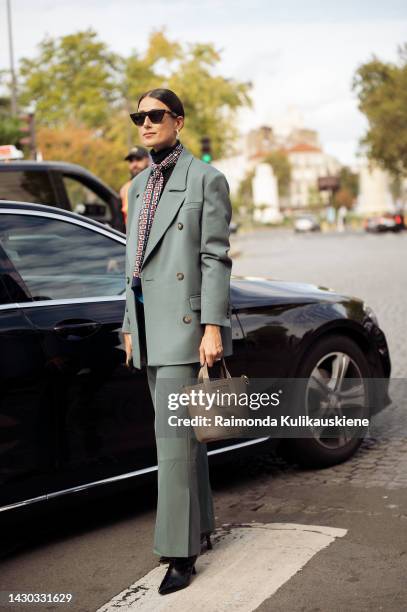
73 416
64 185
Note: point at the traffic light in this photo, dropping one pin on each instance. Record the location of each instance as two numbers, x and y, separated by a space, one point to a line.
206 150
28 127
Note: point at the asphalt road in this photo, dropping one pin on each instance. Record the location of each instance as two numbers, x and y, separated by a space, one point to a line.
328 540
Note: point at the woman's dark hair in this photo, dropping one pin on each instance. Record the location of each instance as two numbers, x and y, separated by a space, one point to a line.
168 97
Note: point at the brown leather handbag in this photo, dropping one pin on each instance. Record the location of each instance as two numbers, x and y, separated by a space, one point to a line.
223 409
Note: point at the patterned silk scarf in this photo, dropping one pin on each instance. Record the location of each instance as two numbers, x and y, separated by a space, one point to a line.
151 197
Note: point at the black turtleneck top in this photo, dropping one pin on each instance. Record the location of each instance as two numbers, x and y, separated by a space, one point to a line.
158 156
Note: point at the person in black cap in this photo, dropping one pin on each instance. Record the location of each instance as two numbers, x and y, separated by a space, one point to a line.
139 159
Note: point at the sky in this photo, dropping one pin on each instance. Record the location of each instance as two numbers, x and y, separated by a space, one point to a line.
300 56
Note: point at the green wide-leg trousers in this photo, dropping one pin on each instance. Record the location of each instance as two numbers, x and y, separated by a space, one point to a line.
184 504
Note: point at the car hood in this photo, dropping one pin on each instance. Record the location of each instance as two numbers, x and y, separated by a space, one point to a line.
258 291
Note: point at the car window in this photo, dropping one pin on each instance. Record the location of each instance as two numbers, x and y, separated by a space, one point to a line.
84 201
26 186
58 259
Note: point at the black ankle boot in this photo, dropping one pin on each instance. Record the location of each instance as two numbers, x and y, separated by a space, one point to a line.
178 574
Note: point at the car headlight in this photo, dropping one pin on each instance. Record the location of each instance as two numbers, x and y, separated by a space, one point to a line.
369 312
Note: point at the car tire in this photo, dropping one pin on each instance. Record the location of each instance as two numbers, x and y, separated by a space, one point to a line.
309 452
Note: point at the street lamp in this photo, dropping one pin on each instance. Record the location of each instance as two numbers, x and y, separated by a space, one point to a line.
12 71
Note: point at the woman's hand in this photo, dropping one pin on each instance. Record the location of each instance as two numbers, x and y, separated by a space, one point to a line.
211 348
128 346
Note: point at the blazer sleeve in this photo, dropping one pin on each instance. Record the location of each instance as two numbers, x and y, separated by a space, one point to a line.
126 328
216 265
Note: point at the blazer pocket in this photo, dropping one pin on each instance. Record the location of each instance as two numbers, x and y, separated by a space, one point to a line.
192 205
195 301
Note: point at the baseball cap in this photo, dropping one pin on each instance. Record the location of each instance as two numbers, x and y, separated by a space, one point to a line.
137 152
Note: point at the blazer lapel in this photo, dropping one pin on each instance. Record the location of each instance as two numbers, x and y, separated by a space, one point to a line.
171 199
132 237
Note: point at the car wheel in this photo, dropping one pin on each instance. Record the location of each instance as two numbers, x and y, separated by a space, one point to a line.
335 364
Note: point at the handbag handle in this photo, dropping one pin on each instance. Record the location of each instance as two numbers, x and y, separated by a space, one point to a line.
203 372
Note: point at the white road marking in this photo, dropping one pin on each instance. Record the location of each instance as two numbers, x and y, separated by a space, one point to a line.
248 563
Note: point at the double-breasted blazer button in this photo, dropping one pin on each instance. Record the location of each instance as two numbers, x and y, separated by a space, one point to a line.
187 319
180 275
180 225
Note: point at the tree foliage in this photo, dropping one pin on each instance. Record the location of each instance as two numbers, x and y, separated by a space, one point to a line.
243 201
382 91
343 197
9 126
210 101
315 199
80 87
349 181
81 145
282 169
348 190
74 77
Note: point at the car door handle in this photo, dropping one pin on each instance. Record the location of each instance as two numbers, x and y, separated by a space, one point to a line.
75 329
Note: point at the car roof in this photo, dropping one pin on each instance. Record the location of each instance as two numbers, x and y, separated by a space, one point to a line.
31 164
65 167
6 204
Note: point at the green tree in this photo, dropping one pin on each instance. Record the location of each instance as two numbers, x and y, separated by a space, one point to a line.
151 69
210 101
349 181
243 203
73 77
314 198
282 169
382 91
348 190
9 126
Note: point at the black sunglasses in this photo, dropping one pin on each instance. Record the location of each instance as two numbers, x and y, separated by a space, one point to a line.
156 116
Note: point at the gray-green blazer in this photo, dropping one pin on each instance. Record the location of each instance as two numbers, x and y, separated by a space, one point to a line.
186 269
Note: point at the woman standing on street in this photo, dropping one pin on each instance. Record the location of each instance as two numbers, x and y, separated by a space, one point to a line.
177 313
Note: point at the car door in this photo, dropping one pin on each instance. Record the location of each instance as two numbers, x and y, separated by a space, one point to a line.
100 413
26 457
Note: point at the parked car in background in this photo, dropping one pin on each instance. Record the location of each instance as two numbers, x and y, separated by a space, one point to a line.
306 223
388 222
72 415
63 185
